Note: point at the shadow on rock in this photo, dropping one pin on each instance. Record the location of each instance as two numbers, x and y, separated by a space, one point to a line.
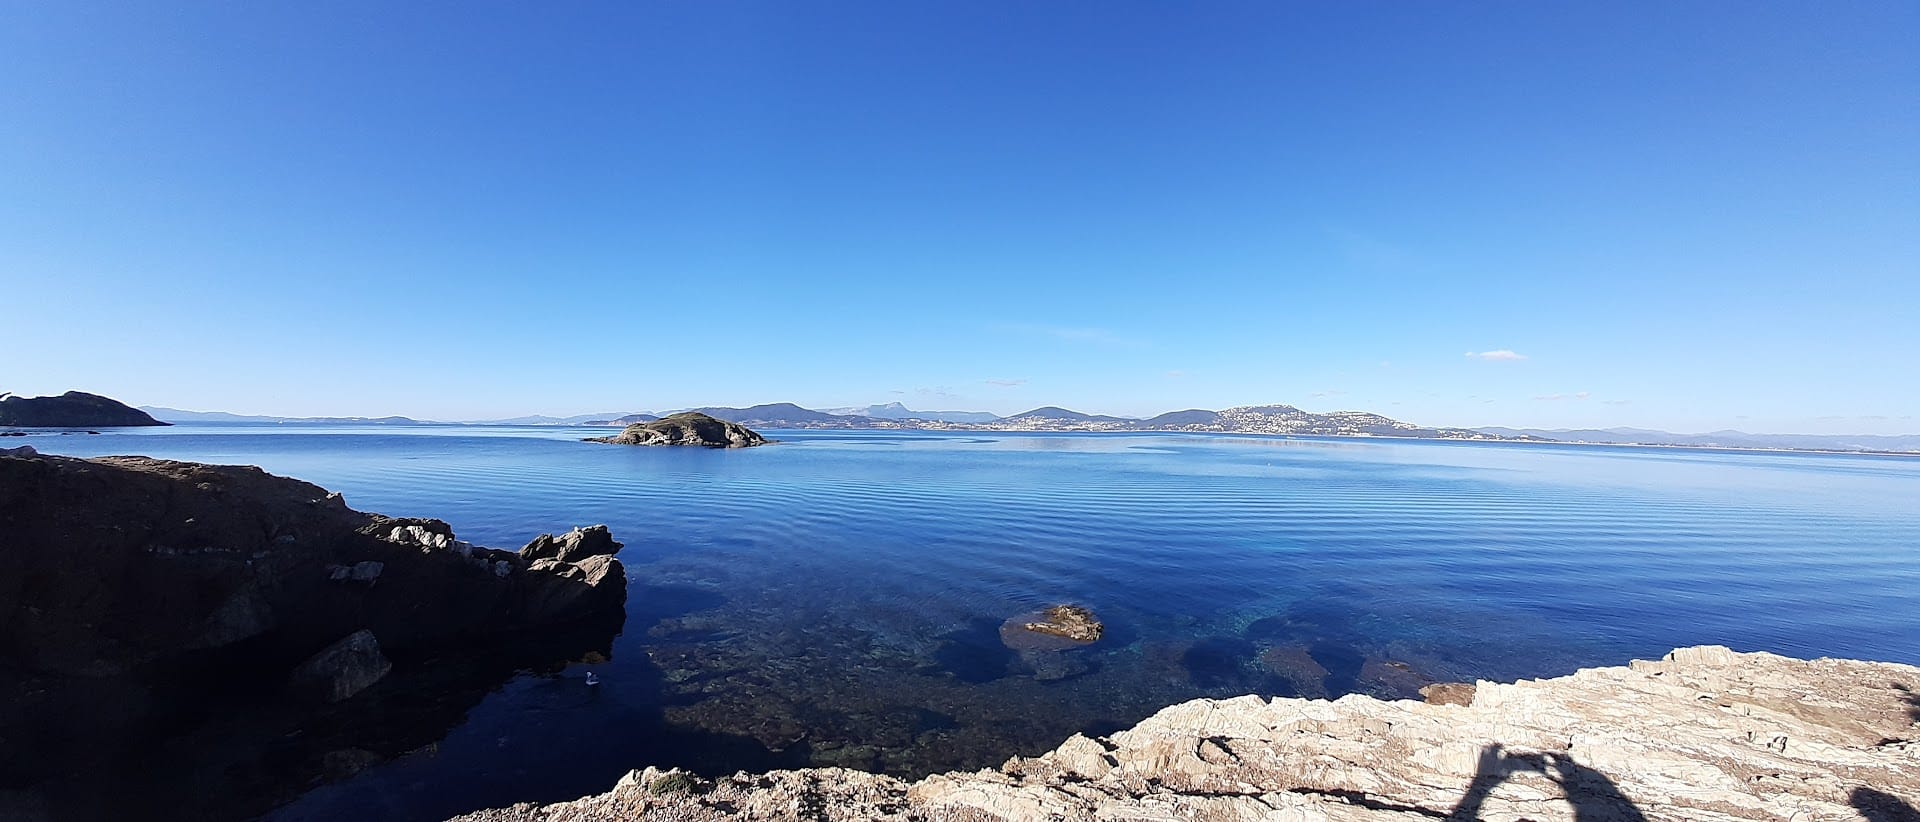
1912 699
1594 797
1879 806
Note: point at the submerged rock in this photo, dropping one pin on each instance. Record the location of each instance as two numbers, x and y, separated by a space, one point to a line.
689 428
341 670
1071 622
1705 735
1295 666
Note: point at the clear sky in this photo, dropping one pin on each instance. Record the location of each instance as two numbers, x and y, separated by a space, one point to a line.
1690 216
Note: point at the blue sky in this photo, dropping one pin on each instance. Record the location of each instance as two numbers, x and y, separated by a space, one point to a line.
1682 215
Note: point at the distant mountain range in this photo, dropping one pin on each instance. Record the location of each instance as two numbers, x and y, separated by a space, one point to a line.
177 415
896 411
1260 419
1719 439
541 419
1252 419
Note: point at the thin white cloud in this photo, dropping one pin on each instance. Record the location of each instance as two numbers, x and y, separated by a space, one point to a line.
1330 393
1174 375
1075 334
1579 395
942 393
1497 355
1006 383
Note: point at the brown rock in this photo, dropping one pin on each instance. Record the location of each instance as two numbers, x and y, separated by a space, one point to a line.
1068 622
1448 693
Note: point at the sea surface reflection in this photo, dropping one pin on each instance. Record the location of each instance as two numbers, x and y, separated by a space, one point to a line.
837 598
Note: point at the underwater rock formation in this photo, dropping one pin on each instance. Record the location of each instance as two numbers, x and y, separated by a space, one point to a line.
1704 735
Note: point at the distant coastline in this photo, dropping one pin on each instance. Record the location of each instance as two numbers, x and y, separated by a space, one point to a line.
1269 420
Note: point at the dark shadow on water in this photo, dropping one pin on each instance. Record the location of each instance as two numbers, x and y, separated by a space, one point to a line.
648 604
1593 796
1343 664
509 709
1310 620
974 654
1879 806
560 739
1105 727
1219 662
927 719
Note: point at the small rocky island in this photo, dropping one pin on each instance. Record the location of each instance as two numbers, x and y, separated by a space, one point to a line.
74 409
1072 622
162 622
688 428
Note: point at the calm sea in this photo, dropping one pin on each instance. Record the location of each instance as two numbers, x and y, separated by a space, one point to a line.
837 598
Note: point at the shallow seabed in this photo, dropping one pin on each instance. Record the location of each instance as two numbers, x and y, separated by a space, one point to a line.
836 599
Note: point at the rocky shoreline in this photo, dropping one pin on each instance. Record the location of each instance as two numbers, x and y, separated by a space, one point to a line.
1704 735
219 637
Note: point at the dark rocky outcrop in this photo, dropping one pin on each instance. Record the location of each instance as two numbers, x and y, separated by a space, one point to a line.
557 592
74 409
141 599
690 428
572 546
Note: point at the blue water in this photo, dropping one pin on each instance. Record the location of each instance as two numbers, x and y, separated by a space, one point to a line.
837 596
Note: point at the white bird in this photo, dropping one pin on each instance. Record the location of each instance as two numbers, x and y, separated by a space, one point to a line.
593 678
